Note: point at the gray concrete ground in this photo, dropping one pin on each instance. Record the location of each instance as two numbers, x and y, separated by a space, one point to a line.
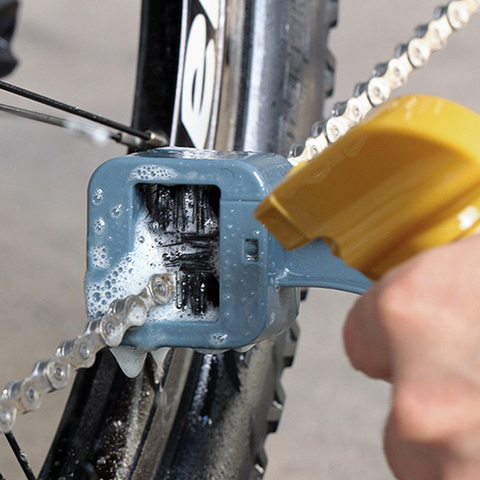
84 53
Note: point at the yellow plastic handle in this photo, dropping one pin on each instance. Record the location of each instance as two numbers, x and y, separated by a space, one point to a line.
403 181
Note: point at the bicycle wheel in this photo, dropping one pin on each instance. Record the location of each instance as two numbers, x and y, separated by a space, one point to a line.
272 74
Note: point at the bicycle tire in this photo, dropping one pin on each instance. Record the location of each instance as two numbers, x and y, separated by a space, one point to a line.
186 422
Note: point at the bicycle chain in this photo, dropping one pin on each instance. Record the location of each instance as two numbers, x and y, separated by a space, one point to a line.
26 395
386 78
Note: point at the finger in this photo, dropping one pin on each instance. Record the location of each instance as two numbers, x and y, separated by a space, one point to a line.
409 460
364 340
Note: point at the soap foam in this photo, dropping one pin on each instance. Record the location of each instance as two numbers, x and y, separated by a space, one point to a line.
100 256
133 272
152 172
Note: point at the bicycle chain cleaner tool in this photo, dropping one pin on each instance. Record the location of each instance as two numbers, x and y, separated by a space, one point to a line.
26 395
190 213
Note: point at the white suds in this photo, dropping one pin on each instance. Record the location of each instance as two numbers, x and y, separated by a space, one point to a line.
133 271
100 256
152 172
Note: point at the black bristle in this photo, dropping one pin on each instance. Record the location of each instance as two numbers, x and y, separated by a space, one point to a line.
187 217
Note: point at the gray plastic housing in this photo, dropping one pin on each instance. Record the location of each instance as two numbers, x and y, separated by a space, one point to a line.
258 297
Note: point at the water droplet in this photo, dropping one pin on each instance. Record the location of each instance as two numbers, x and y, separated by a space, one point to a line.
116 211
99 226
218 338
97 196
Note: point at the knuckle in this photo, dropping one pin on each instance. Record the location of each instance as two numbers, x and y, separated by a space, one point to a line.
353 348
408 415
365 350
393 303
416 417
401 301
391 300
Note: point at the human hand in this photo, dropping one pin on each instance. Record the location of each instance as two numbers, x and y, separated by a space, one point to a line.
419 328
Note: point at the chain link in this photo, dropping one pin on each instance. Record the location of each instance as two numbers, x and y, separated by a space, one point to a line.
26 395
387 77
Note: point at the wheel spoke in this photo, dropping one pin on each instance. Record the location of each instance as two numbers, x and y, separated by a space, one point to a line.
98 135
149 138
20 455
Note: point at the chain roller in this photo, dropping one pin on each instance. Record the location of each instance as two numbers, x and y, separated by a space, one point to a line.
387 77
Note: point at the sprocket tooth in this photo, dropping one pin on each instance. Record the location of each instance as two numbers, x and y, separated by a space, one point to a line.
279 395
291 345
276 409
274 414
329 74
332 17
303 294
294 332
260 465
